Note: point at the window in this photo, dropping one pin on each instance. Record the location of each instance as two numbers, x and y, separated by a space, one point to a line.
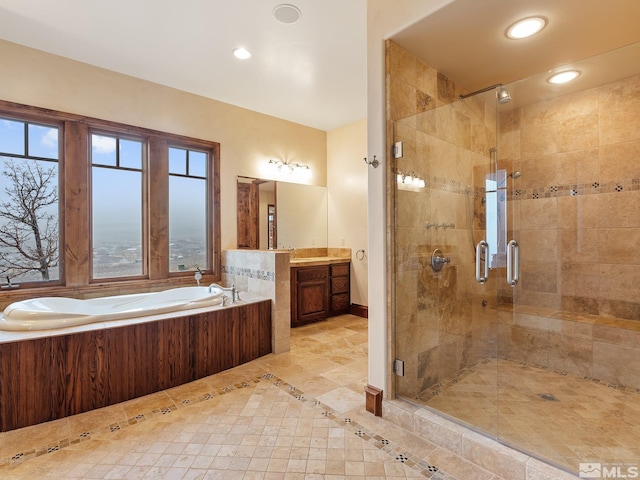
29 206
117 206
188 199
86 202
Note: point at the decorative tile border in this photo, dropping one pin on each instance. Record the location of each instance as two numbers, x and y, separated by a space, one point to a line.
625 185
398 453
593 188
249 273
401 455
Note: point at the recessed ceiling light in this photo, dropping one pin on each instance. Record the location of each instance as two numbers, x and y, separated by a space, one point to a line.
526 27
564 77
286 13
242 53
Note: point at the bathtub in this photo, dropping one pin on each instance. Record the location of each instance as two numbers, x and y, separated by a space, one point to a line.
59 312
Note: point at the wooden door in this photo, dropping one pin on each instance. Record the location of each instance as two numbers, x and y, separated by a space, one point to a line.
248 221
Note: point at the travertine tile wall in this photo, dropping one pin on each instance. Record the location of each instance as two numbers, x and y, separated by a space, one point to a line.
264 273
576 212
440 324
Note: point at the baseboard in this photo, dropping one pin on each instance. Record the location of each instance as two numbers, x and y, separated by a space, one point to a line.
359 310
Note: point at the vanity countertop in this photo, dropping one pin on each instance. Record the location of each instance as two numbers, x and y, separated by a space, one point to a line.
317 261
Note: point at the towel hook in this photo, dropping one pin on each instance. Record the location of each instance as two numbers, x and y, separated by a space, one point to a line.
374 163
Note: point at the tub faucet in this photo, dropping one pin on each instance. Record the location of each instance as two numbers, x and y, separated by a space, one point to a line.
234 294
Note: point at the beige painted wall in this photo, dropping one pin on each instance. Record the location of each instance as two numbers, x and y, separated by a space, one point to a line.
248 139
347 185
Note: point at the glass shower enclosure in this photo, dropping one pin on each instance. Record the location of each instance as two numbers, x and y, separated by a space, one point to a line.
517 266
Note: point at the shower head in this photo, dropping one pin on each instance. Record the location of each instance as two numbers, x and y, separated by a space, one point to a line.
515 174
503 95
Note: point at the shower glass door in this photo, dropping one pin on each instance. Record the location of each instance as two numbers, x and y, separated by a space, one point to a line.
537 345
569 330
445 320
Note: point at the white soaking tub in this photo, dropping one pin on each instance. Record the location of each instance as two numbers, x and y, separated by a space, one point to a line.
58 312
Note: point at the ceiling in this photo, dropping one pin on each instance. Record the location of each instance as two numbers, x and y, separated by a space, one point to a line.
312 72
466 41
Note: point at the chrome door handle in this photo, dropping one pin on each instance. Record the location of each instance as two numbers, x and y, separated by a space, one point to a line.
513 263
482 275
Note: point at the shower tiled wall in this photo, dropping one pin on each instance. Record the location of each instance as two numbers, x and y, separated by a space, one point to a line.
576 213
441 326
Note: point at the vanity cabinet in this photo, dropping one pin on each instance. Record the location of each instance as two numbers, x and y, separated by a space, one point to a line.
340 295
318 292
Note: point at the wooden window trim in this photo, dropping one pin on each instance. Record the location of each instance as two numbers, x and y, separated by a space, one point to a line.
75 200
145 173
213 194
36 117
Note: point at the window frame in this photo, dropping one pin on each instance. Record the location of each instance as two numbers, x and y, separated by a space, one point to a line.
144 200
30 117
74 170
212 211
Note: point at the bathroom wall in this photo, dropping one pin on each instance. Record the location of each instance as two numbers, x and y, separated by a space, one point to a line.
440 324
347 188
574 211
248 139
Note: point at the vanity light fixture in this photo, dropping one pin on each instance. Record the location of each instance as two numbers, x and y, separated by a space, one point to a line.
241 53
564 77
526 27
289 167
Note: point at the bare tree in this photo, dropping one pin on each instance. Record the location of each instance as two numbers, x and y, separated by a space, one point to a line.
28 230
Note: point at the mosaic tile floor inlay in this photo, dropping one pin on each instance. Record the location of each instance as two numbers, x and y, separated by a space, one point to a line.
250 422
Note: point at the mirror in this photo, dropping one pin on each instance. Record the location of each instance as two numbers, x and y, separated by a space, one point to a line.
275 214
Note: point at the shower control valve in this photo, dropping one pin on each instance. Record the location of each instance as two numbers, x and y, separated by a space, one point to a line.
438 260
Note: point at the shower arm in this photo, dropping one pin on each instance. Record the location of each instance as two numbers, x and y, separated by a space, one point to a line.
486 89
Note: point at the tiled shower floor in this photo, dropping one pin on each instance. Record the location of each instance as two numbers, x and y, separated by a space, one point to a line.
563 418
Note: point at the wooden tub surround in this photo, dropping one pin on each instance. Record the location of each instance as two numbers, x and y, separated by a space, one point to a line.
45 378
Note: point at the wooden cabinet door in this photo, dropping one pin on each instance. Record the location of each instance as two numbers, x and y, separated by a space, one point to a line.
310 294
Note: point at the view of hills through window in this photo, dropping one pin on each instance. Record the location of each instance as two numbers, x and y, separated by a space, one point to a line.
29 252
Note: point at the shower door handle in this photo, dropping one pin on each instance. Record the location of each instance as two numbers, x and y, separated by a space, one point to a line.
482 248
513 263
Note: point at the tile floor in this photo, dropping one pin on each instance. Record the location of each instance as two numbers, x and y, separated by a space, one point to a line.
584 420
289 416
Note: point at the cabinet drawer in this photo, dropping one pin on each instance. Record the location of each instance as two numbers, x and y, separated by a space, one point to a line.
340 270
339 285
309 274
340 302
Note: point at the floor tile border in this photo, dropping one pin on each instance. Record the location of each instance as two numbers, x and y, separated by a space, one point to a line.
378 440
21 457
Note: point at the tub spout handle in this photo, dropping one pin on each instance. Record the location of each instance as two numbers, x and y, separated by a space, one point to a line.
232 289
